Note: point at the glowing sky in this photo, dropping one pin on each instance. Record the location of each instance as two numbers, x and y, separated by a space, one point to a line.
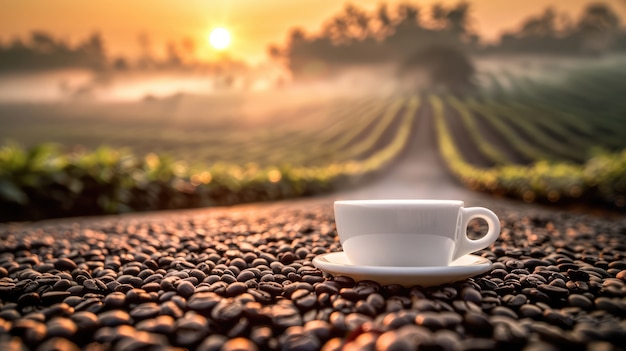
253 24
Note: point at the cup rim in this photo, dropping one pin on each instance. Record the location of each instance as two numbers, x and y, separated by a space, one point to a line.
400 202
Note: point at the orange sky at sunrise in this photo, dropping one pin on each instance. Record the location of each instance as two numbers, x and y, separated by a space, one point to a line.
254 24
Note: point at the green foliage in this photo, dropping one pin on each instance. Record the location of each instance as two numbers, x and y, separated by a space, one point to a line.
601 179
489 150
606 173
43 181
359 138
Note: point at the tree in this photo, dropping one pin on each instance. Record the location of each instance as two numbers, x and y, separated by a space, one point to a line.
543 26
146 59
442 67
408 13
174 58
91 52
355 36
458 19
382 15
549 32
43 42
597 27
353 24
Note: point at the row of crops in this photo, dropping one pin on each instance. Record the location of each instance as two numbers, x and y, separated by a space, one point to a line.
558 142
47 181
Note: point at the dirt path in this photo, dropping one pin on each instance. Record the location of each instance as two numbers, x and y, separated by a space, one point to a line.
419 173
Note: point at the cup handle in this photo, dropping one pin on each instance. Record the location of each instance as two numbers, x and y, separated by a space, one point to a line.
465 244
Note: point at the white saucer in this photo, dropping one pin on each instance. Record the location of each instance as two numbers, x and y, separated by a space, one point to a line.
337 263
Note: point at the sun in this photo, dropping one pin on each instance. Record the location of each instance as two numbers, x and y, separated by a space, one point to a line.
219 38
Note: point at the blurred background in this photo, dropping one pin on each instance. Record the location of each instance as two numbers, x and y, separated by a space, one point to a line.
109 107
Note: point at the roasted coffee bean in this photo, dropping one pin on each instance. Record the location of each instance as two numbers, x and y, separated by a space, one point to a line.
320 328
304 299
58 310
284 314
261 296
559 319
203 301
114 318
64 264
581 301
609 305
344 281
407 337
61 327
290 288
191 329
398 319
32 332
343 305
115 300
556 281
463 307
503 311
93 305
145 310
273 288
214 343
185 289
536 295
430 320
261 335
349 294
85 321
296 338
58 343
507 332
228 278
62 285
471 295
226 311
477 323
52 297
170 308
445 294
395 303
235 289
517 301
365 308
554 335
28 299
328 287
245 276
312 279
239 344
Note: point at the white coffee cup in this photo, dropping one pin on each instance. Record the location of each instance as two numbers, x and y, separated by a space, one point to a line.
410 233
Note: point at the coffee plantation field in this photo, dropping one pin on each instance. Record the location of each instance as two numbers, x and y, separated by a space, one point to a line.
536 141
559 140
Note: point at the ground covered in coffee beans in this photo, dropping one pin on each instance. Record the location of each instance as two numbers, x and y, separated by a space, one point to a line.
242 279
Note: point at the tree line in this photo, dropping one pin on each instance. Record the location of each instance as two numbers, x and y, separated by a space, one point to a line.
353 36
42 51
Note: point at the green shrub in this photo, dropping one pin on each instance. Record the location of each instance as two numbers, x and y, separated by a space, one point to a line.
44 182
602 179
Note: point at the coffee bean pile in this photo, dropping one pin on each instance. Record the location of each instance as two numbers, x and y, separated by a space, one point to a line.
242 279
